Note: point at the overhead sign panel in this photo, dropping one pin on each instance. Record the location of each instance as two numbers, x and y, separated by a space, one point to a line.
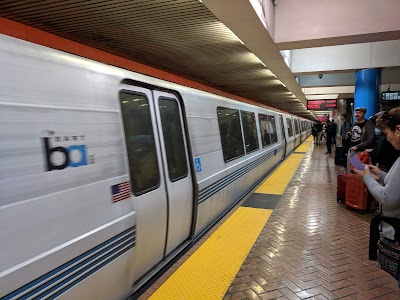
388 96
321 104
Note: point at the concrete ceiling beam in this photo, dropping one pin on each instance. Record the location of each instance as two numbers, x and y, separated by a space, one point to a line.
346 57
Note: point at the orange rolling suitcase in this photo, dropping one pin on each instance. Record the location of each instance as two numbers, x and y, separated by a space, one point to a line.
357 194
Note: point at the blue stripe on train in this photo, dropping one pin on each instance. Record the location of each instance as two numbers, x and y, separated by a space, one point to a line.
118 242
215 187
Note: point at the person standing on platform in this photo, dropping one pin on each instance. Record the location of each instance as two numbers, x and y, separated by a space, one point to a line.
385 187
384 154
314 132
330 131
319 132
362 132
344 130
334 128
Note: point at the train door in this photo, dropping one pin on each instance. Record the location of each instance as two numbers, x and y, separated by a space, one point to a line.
178 179
148 161
297 133
283 134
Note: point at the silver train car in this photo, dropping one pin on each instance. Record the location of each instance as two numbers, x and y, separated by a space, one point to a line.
106 175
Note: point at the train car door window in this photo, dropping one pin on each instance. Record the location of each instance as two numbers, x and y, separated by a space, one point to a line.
290 126
268 130
250 131
173 139
139 142
272 126
296 125
231 133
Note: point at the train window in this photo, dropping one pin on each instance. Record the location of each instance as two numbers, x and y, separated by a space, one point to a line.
268 130
249 131
231 133
173 138
296 126
140 142
290 126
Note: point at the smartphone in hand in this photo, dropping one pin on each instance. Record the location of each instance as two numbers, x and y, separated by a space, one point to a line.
356 162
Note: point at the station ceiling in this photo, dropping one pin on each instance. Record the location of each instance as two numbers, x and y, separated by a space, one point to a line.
182 37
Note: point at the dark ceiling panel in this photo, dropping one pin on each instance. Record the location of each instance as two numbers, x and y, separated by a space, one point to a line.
179 36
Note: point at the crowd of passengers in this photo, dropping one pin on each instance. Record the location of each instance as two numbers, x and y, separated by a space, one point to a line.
380 138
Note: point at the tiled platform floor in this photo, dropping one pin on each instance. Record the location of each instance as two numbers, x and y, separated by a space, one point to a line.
312 247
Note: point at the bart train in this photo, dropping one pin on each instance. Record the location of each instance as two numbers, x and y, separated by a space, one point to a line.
106 174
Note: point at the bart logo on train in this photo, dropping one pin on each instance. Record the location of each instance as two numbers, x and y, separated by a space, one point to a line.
59 157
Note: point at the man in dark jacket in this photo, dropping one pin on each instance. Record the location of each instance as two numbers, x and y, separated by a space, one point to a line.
384 154
330 133
362 132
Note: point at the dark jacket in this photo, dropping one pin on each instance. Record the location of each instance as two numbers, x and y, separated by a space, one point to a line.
331 129
384 153
368 137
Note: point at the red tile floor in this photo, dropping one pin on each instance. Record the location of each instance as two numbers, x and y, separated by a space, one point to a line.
311 247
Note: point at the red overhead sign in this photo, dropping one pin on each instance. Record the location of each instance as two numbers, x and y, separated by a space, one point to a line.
321 104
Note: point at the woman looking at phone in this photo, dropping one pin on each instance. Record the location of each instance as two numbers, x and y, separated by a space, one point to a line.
385 187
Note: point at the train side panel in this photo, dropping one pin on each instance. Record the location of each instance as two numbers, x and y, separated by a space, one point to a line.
221 183
61 154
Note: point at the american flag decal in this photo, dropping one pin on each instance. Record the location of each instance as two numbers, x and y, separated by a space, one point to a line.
121 191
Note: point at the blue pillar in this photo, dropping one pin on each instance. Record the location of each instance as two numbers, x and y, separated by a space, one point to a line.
367 90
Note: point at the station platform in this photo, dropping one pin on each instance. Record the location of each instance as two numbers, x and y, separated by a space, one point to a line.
289 239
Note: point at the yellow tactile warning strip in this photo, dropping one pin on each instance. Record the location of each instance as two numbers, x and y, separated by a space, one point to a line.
310 139
277 182
303 147
208 273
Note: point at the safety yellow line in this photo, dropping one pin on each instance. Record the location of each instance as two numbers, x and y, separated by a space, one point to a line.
277 182
208 272
303 147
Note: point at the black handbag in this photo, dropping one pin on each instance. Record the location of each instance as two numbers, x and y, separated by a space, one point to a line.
388 256
383 250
